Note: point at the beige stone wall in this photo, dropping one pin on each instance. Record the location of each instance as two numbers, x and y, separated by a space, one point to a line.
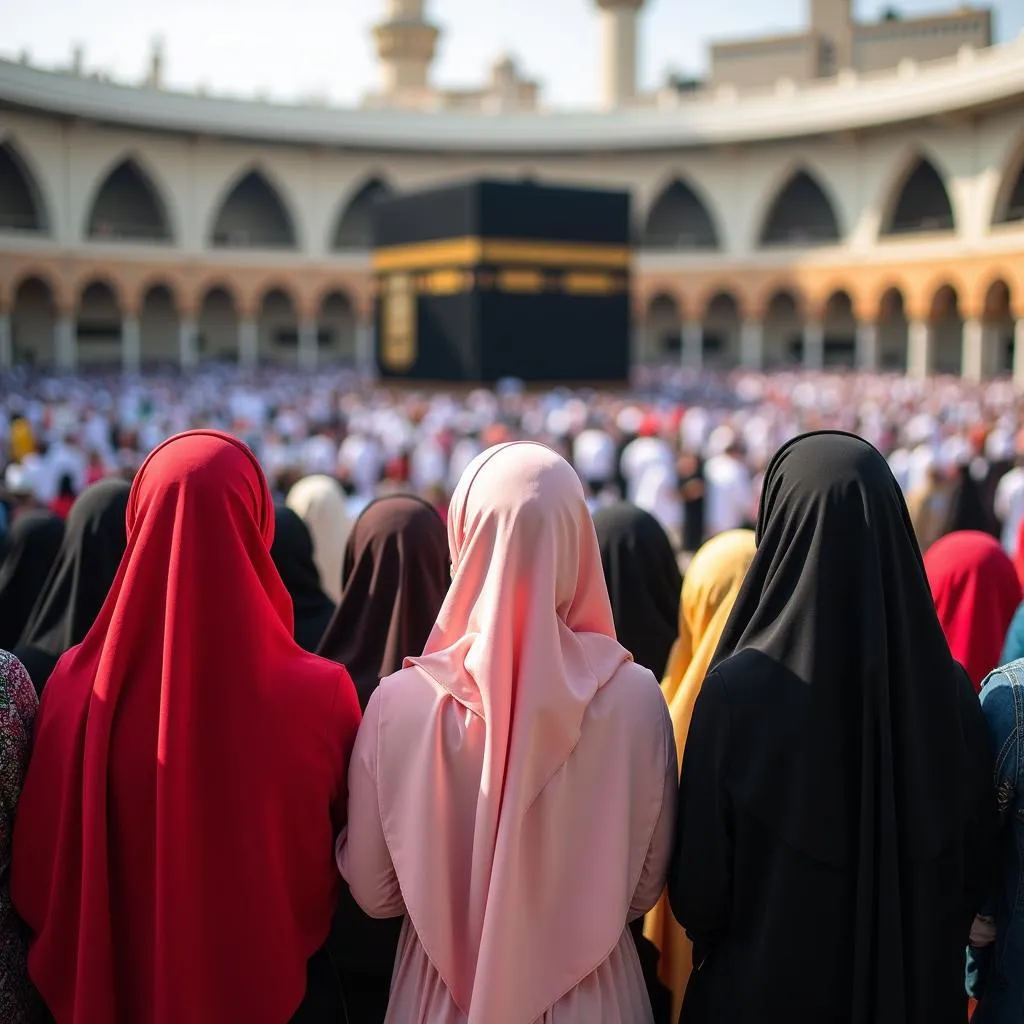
883 45
760 64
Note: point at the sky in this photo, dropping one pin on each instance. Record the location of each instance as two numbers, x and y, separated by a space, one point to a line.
299 49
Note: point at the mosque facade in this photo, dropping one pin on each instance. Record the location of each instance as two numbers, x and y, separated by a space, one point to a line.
828 198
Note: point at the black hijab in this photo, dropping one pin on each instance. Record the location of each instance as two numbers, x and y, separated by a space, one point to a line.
29 551
853 736
292 552
969 508
644 583
95 538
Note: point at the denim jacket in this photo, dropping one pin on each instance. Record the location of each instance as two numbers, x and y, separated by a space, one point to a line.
995 974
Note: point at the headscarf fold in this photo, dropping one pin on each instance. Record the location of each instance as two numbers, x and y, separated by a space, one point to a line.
976 591
292 552
173 850
476 744
395 577
95 538
712 584
320 502
29 551
643 580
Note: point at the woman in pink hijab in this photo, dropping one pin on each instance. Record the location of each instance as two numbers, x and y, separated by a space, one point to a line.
512 791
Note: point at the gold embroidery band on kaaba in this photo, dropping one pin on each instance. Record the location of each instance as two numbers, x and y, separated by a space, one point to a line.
399 340
468 252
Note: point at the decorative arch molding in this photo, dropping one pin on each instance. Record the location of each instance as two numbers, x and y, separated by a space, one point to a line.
801 212
680 218
1009 200
916 198
90 276
39 272
252 212
352 227
23 205
129 202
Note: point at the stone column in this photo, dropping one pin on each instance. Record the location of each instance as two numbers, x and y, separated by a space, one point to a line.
366 346
867 346
919 348
309 343
131 344
188 336
1018 353
814 346
6 346
752 345
65 342
248 343
692 345
972 350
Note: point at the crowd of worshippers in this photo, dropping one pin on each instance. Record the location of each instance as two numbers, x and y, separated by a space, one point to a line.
689 449
506 765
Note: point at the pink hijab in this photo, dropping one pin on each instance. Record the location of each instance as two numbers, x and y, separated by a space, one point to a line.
515 884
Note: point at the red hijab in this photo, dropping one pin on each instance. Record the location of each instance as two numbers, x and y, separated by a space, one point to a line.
976 592
173 855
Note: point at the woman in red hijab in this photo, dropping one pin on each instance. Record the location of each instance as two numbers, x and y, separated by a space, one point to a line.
173 850
976 592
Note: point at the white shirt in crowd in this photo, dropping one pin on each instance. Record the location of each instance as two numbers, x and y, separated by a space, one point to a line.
729 494
641 455
1009 503
593 453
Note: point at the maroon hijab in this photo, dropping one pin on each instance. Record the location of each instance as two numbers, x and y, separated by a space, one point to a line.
394 579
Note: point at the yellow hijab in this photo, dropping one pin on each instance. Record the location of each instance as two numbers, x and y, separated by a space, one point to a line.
712 582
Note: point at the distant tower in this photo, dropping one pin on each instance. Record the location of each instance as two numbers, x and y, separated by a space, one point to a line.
832 24
406 42
619 51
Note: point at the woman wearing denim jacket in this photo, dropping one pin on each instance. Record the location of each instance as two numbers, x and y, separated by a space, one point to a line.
996 956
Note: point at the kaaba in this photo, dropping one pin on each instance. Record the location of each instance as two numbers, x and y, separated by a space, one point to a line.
485 280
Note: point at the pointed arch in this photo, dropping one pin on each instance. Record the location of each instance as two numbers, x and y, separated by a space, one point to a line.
21 202
802 213
679 219
353 229
919 202
128 206
253 215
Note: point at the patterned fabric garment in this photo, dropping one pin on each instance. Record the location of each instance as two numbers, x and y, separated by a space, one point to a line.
19 1003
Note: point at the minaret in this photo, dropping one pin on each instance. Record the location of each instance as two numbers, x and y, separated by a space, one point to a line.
406 42
619 51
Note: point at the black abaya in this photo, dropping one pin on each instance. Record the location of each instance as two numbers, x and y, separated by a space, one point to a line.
94 542
292 552
836 814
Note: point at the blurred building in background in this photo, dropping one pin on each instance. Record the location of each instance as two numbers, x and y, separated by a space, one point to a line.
861 205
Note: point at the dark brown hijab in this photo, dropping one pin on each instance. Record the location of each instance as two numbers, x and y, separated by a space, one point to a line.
394 579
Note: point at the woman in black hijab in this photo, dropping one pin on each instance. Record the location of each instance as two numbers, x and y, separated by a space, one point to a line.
644 583
645 587
836 813
395 576
292 552
94 542
29 551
